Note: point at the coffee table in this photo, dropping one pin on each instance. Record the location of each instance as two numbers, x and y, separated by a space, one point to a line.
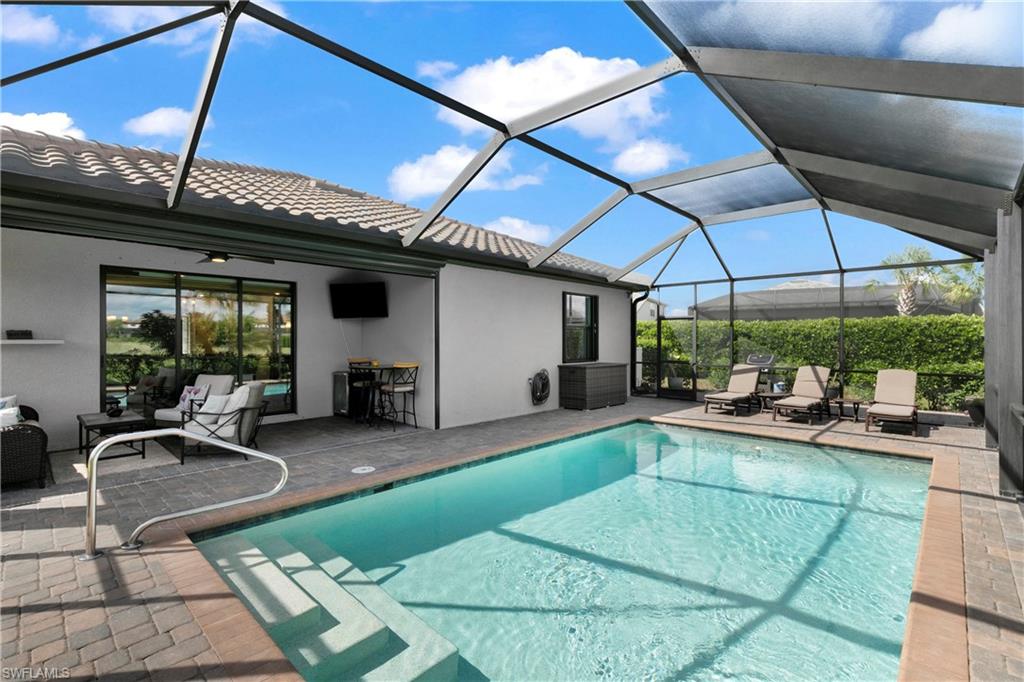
94 426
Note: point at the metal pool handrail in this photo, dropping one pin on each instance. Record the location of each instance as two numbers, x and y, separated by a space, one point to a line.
133 542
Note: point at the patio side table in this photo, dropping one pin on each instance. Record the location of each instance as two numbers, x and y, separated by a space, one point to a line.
768 398
95 426
841 402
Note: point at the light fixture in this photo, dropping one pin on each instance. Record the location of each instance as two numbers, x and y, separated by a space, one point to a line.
216 257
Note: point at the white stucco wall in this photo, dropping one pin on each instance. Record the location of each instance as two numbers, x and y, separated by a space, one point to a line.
51 285
498 329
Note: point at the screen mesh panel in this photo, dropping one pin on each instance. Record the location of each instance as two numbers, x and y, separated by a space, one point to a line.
749 188
933 209
924 31
977 143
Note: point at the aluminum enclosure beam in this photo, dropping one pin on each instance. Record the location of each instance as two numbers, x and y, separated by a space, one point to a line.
679 236
970 242
761 212
653 22
710 170
892 178
962 82
596 214
204 98
109 47
456 186
595 96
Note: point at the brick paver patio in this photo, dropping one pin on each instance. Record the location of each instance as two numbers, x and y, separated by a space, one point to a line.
157 613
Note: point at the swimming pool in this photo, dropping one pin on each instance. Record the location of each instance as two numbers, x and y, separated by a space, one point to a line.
642 551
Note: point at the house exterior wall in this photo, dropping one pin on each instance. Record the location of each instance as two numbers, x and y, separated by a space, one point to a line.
498 329
51 284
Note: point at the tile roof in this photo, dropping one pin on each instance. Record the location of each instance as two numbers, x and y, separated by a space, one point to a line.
254 190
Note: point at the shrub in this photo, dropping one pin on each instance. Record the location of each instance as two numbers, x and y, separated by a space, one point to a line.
929 344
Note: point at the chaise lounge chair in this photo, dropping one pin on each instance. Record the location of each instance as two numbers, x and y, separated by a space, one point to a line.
894 398
741 389
809 393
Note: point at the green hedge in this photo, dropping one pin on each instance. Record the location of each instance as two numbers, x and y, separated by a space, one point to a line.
946 344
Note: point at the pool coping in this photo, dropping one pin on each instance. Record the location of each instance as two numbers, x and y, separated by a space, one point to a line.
935 636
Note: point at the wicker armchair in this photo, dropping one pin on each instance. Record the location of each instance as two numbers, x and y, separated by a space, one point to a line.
23 455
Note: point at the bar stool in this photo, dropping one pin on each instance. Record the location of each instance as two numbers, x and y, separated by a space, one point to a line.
361 382
401 381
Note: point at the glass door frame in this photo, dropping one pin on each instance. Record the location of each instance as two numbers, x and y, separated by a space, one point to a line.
239 340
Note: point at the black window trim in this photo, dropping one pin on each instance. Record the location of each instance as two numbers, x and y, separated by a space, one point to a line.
178 274
593 326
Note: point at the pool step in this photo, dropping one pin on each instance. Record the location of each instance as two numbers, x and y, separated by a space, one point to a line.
427 655
282 607
357 634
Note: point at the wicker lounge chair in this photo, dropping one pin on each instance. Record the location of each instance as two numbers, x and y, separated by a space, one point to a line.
23 453
894 398
741 389
809 393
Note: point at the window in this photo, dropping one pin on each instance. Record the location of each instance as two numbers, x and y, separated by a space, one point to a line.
579 328
197 324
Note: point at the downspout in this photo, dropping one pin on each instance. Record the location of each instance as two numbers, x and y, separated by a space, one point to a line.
632 340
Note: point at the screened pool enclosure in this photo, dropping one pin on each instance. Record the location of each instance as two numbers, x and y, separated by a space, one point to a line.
855 142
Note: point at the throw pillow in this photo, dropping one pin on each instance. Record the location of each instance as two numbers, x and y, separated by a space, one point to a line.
236 400
190 393
9 416
8 401
213 406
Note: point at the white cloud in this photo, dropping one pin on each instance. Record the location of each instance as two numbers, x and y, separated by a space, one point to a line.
431 173
844 27
22 25
507 89
438 69
757 235
648 156
52 123
122 19
163 122
985 33
522 229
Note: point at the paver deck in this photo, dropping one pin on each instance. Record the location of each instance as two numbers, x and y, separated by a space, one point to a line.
164 613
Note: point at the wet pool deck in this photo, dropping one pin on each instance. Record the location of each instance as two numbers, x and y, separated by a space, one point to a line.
164 613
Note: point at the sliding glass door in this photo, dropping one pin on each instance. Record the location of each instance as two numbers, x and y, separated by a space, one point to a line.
197 324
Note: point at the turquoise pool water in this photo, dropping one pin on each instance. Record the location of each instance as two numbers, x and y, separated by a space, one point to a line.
648 552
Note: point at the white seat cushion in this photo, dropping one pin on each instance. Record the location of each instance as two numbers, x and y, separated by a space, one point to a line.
218 430
726 397
797 402
168 414
236 401
892 411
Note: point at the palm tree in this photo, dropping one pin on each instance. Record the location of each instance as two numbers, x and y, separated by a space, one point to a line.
919 277
960 284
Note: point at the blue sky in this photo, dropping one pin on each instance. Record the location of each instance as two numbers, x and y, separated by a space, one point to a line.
284 104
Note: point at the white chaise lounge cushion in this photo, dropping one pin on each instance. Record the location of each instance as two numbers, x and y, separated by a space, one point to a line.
896 387
726 397
891 411
797 402
743 379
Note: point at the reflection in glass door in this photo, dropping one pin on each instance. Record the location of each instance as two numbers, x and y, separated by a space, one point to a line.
267 341
209 325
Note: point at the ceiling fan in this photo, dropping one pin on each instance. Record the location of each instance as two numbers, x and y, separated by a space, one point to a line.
224 257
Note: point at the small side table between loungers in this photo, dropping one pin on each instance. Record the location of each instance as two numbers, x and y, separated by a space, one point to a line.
95 426
840 403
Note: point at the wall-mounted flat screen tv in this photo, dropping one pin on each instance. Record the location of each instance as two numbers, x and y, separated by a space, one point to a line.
359 299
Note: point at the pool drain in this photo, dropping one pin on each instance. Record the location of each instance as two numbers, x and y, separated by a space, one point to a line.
364 470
